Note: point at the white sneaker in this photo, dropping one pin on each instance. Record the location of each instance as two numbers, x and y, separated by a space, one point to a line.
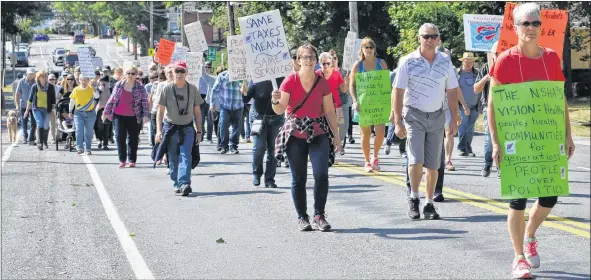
530 250
520 269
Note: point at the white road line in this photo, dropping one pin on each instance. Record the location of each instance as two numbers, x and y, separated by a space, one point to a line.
584 168
6 154
138 265
112 57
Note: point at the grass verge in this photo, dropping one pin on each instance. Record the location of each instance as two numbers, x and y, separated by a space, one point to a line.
119 44
579 109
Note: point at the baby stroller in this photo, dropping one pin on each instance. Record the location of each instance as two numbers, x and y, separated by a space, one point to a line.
65 125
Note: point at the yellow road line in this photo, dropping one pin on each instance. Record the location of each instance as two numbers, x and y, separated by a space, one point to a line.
474 200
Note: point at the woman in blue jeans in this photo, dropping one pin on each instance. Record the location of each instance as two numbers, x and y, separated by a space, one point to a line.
42 101
82 103
264 141
308 131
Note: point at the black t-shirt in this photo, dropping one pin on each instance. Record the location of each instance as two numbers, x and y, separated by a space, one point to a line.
261 92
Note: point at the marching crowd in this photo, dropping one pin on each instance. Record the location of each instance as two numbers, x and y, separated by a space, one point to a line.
308 118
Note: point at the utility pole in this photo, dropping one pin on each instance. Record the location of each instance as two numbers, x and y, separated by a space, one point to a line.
231 18
353 22
181 27
151 24
13 58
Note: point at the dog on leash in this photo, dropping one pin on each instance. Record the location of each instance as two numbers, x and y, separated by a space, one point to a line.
11 125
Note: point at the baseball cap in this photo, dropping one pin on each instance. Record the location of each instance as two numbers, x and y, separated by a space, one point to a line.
31 70
51 76
179 64
208 63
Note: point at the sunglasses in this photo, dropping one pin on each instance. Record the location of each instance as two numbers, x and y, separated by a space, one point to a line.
52 79
132 74
180 71
430 36
335 58
70 79
369 47
326 63
535 23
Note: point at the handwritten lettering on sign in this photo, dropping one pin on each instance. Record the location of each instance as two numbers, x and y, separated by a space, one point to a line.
553 29
165 51
196 37
85 62
194 67
179 54
373 94
530 121
237 64
266 46
349 53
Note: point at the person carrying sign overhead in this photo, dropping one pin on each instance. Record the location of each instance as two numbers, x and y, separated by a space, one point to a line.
526 62
422 80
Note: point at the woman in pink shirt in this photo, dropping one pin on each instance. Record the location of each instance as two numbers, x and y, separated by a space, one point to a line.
127 108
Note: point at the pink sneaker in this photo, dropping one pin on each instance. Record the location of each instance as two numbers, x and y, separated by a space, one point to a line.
521 269
530 251
132 164
122 164
368 167
376 164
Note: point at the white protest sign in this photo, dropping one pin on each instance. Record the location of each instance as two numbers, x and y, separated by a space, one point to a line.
85 61
266 46
481 31
194 67
97 62
196 37
349 50
179 54
237 65
145 62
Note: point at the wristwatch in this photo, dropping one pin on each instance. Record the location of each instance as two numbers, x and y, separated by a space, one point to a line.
198 132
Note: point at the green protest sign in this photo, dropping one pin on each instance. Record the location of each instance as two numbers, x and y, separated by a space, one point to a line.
373 91
530 121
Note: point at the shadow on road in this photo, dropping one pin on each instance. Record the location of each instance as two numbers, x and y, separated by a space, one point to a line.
391 233
561 275
478 219
195 194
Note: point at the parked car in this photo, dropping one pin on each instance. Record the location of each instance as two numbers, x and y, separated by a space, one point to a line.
79 39
70 60
23 49
41 37
58 56
21 59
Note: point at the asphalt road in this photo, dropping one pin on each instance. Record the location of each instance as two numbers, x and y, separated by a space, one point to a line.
68 217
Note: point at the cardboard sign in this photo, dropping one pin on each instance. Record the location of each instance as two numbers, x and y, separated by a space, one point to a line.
530 121
349 52
194 67
179 54
196 37
553 29
85 62
266 46
481 31
237 65
145 62
165 51
373 90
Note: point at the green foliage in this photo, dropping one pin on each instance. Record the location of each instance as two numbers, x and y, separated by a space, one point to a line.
11 11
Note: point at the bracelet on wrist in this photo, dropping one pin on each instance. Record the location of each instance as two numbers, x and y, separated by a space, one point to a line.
275 103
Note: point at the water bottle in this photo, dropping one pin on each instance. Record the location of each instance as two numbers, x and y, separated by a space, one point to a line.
356 116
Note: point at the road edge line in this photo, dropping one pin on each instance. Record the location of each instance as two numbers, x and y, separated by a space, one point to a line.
6 154
136 261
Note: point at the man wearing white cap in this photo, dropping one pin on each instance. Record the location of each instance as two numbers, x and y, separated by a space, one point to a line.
20 100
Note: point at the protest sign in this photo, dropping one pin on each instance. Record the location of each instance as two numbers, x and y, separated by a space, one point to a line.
481 31
194 67
145 62
373 94
553 29
85 61
179 54
164 53
237 66
349 52
97 62
530 122
196 37
357 47
266 46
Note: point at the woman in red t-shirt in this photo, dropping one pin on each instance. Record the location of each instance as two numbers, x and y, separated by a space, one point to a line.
337 83
308 131
524 63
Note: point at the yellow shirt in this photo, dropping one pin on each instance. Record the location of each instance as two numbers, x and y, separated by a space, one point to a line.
83 99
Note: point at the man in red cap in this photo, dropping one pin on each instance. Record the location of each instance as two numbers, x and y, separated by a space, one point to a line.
177 136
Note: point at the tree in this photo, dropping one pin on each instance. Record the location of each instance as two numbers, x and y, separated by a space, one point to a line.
13 10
